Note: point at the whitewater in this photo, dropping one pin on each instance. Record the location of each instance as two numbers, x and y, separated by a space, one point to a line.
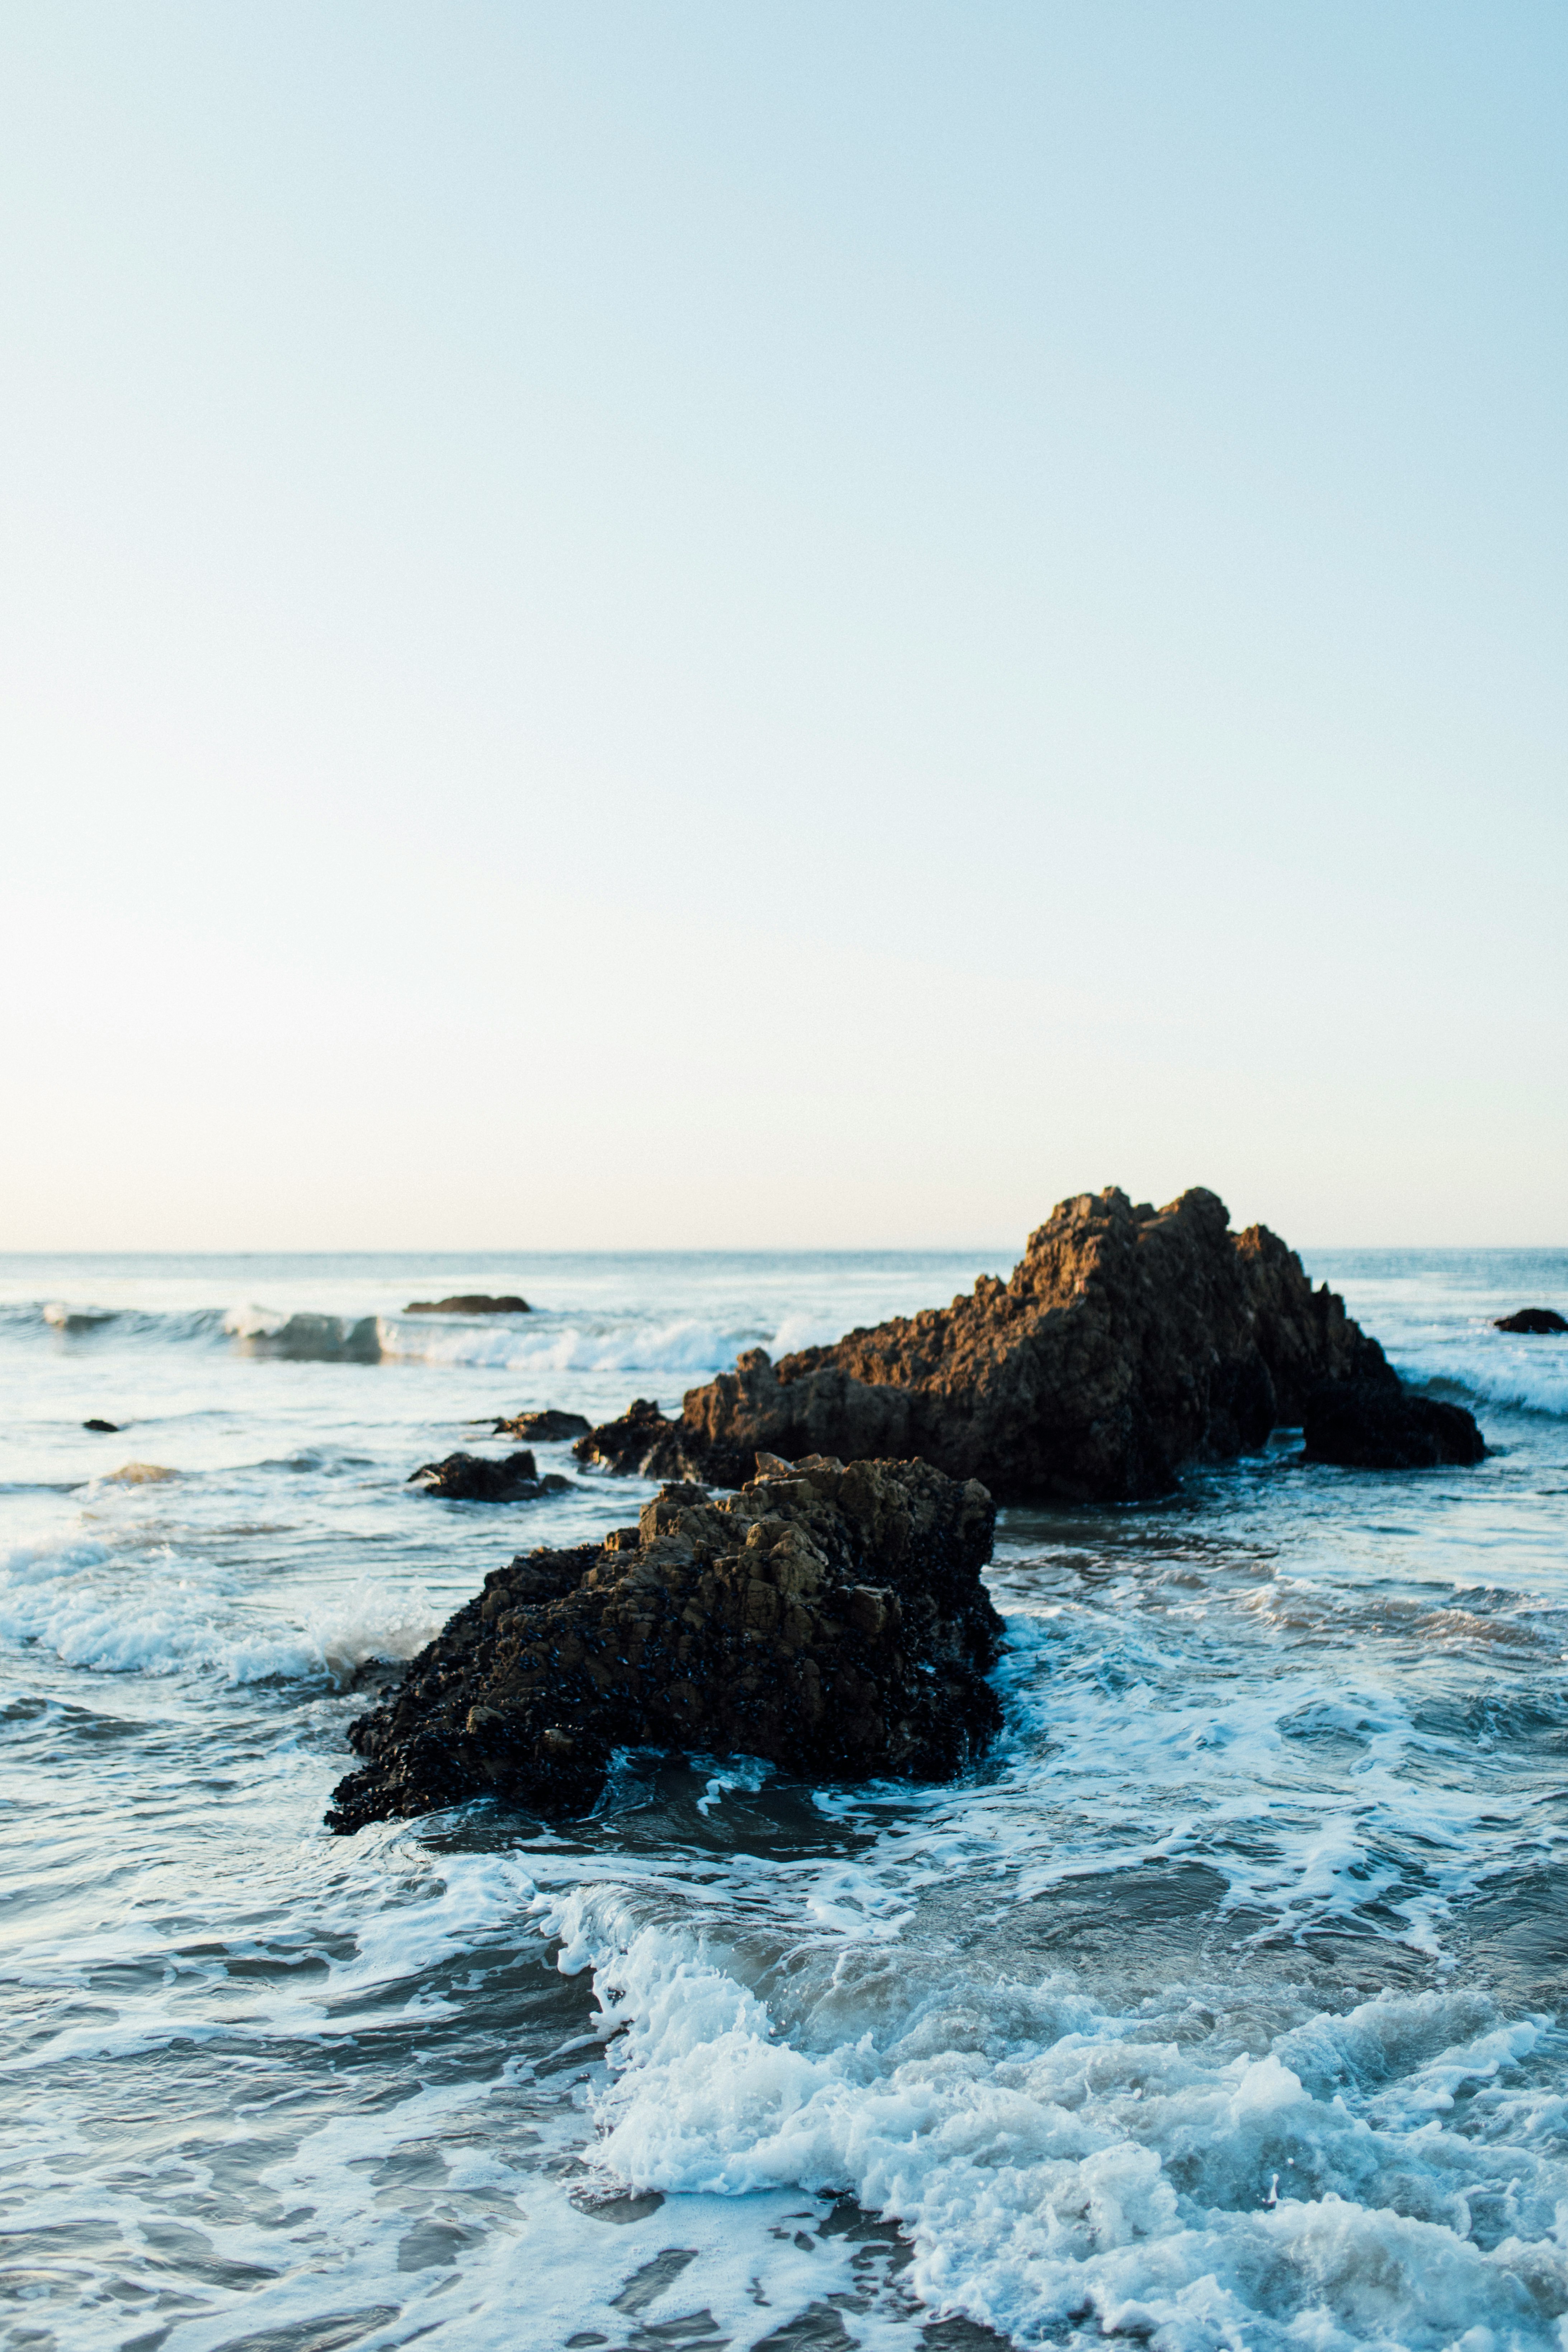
1221 2004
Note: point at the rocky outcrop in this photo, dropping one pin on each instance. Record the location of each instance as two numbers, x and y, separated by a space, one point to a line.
1538 1320
644 1443
1369 1425
1128 1341
546 1427
107 1428
829 1619
470 1478
472 1302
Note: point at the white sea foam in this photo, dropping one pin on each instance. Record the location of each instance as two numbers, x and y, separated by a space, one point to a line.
151 1614
1056 2163
1499 1368
685 1346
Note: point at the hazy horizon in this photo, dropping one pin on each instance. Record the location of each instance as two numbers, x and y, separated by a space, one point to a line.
666 624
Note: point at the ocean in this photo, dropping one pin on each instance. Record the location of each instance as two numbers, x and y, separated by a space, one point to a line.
1221 2004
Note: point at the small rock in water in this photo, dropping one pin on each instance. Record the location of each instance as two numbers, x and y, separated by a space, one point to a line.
142 1473
109 1428
643 1443
832 1621
1540 1320
469 1478
476 1302
1369 1426
546 1427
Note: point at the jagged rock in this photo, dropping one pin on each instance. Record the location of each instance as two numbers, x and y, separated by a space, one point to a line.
1539 1320
547 1427
643 1443
831 1620
1128 1341
470 1478
474 1302
1367 1425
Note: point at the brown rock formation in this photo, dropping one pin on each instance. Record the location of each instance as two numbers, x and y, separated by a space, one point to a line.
1127 1341
832 1620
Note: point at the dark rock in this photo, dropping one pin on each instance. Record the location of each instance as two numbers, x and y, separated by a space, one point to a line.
109 1428
644 1445
1367 1425
471 1303
831 1619
547 1428
469 1478
1537 1319
1128 1341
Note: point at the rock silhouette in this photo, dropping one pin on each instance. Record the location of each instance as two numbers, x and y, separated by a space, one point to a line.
644 1443
546 1427
474 1302
829 1619
471 1478
1540 1320
1367 1425
1128 1341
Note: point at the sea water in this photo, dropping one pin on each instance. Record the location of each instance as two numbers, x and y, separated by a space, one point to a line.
1221 2004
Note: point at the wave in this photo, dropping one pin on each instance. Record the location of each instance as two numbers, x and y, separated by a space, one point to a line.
305 1337
680 1345
62 1317
685 1345
103 1613
78 1322
1496 1368
1055 2161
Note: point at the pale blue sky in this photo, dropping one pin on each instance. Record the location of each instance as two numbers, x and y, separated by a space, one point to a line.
807 623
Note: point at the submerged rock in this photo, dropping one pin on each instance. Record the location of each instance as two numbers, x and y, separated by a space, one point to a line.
1128 1340
1367 1425
108 1428
470 1478
1539 1320
472 1302
829 1619
547 1427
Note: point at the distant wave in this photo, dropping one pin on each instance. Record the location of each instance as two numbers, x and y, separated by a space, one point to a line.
686 1345
76 1318
307 1338
547 1342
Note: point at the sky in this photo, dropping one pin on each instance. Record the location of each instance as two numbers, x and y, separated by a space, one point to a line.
693 624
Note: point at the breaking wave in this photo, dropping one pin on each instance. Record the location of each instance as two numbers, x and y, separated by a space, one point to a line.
1496 1368
685 1345
1061 2165
107 1612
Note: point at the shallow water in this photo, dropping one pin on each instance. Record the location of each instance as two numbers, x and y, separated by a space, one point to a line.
1223 2004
